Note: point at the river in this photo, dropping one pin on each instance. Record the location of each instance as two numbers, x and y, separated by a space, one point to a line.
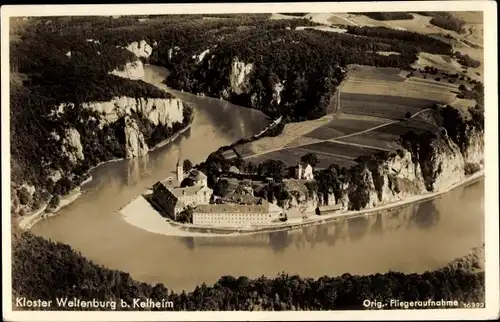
411 239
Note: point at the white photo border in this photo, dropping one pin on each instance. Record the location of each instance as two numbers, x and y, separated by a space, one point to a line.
489 9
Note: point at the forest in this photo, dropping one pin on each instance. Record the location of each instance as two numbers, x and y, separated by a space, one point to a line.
467 61
297 59
42 269
53 63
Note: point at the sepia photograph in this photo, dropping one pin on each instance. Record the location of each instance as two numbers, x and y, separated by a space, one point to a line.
250 161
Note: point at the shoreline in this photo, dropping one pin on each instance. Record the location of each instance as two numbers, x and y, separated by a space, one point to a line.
28 221
140 214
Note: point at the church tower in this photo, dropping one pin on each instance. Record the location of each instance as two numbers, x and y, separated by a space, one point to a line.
180 171
299 170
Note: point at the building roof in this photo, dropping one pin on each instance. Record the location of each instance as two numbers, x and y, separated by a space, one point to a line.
265 207
241 199
179 204
171 182
304 164
197 175
188 191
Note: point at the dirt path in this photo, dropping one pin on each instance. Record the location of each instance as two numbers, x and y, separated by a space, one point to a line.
358 145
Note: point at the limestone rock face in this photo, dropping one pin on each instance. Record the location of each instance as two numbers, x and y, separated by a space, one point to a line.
132 70
140 48
72 145
240 76
403 174
160 111
134 139
278 88
199 58
474 153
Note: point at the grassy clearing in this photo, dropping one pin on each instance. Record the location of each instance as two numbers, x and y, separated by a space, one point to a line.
376 73
303 141
325 133
382 106
371 139
403 89
338 149
291 132
470 17
345 124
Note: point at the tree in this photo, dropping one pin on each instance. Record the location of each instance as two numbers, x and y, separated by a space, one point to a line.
408 115
24 196
54 202
272 168
221 187
250 167
462 87
310 158
186 216
187 165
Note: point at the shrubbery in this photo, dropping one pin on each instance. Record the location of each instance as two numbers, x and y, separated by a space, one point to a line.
466 60
445 20
471 168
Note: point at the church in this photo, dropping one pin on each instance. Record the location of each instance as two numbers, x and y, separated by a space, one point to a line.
172 199
304 171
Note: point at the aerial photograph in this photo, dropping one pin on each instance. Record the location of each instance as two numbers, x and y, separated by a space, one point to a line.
290 161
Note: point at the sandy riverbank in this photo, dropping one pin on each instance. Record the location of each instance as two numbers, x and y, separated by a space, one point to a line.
26 222
141 214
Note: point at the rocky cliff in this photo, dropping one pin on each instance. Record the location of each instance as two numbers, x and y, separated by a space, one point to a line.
240 76
84 133
131 70
425 164
140 48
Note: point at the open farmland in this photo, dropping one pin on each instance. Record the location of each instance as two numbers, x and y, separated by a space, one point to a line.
375 140
344 124
339 149
370 116
382 106
291 132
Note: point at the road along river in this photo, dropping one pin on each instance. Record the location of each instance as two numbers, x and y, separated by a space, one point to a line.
415 238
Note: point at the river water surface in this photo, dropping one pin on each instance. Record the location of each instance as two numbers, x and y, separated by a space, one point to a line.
412 239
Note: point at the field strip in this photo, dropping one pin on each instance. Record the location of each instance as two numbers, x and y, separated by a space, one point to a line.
358 145
428 83
328 140
329 154
390 86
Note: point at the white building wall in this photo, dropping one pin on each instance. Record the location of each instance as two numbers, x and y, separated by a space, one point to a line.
202 197
308 173
233 219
